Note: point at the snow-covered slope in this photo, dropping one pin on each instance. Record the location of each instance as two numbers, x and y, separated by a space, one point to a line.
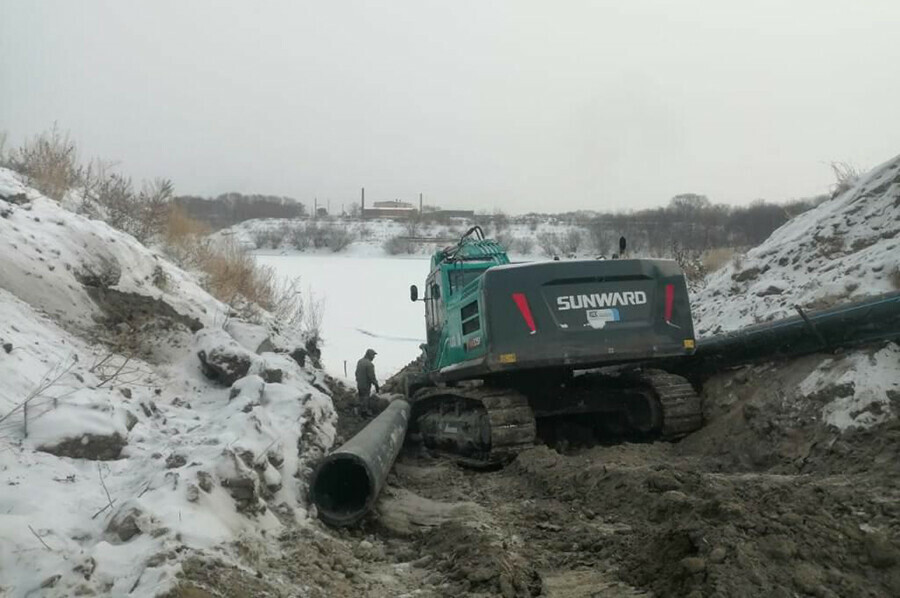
845 249
115 461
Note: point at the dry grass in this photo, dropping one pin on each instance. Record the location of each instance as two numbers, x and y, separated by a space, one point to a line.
49 162
184 237
714 259
230 273
845 176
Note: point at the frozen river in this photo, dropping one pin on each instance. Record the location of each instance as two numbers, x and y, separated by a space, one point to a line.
366 303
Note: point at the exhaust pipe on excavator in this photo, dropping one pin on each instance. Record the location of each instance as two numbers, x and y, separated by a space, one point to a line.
347 482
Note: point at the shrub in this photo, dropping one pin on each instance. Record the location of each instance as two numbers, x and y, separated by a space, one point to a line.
299 236
505 240
338 238
297 311
267 237
111 197
548 243
570 242
49 163
397 245
714 259
690 262
845 176
231 274
151 208
185 240
523 245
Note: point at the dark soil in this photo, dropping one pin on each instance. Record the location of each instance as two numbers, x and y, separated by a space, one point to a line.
764 501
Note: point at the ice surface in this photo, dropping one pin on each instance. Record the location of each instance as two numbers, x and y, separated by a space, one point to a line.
366 301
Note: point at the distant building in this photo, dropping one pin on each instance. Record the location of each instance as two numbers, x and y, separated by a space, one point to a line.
390 209
402 210
395 204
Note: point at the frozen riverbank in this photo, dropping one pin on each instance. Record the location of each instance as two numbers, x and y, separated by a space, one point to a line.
366 304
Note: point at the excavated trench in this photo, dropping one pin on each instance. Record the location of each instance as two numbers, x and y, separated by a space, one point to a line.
765 500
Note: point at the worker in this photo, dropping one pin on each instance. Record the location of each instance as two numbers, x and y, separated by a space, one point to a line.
365 379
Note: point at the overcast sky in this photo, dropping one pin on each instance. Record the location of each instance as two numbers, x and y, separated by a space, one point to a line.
513 105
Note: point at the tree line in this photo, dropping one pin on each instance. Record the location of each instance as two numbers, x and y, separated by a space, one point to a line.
228 209
689 221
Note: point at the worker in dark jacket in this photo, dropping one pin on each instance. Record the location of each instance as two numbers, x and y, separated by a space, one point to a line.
365 379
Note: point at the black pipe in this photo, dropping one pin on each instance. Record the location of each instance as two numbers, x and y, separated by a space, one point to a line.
346 483
870 320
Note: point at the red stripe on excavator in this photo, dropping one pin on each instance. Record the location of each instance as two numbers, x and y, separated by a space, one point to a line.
670 300
522 304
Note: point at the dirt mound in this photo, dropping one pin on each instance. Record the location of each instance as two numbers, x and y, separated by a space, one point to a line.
816 414
684 530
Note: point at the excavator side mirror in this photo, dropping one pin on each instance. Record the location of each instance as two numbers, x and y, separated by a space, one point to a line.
413 293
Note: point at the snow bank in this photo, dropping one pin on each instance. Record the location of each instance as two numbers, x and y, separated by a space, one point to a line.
54 259
858 389
845 249
120 466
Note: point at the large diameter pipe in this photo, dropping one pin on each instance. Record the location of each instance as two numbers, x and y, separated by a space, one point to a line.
870 320
346 483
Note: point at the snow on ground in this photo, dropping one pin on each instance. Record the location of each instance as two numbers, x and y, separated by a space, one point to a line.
859 387
128 458
843 250
366 301
52 258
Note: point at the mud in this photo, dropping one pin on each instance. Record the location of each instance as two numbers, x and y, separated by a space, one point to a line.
766 500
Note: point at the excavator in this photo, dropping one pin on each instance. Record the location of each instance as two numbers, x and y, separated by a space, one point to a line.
562 350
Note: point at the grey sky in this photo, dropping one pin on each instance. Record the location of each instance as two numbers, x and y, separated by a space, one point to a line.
515 105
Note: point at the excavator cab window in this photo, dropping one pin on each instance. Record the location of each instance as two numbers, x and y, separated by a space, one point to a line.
460 278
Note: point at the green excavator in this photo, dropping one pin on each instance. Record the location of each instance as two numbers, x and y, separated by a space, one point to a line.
563 350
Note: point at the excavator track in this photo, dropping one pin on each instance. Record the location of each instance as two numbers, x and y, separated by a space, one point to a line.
482 426
682 410
476 426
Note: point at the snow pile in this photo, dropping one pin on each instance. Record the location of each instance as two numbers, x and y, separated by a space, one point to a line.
858 389
845 249
116 464
56 260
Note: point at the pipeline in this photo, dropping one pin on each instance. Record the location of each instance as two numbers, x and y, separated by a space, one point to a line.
346 483
871 320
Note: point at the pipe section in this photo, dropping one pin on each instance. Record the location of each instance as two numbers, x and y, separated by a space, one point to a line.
346 483
846 325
